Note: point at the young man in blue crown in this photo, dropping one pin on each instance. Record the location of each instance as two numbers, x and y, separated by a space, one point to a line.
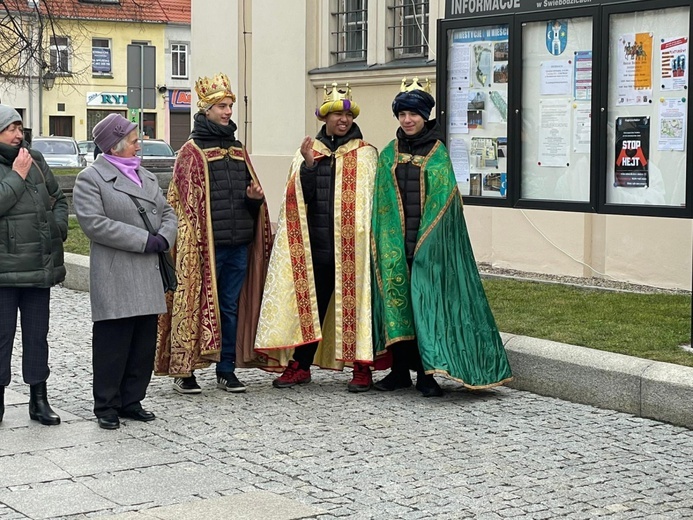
317 299
429 307
221 251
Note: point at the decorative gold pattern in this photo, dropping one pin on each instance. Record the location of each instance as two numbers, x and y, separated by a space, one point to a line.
285 319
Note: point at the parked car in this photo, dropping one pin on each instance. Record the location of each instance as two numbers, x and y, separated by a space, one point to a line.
60 152
157 156
87 148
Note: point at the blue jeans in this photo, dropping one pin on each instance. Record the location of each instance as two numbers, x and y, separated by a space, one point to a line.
231 263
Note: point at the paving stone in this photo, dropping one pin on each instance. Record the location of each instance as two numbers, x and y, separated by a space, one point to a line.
54 501
501 453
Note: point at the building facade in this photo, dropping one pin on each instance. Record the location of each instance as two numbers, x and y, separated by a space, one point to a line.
279 55
85 53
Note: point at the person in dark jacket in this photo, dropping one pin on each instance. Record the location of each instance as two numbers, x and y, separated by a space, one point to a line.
430 311
126 290
318 295
33 227
222 216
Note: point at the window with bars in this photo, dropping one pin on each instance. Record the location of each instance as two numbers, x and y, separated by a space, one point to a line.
60 54
351 19
179 60
409 28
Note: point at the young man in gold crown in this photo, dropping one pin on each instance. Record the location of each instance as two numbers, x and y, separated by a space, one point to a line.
430 311
221 251
317 299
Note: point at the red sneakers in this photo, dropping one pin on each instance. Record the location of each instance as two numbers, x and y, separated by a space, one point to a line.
362 380
293 375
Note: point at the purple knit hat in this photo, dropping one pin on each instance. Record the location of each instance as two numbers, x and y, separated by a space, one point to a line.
111 130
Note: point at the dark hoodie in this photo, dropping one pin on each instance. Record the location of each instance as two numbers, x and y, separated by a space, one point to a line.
233 212
408 178
318 193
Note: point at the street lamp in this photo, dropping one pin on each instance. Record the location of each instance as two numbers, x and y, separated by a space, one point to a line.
48 80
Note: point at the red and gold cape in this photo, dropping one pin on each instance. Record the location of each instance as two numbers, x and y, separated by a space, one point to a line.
189 335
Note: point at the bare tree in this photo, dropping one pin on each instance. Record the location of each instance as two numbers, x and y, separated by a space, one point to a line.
24 26
27 28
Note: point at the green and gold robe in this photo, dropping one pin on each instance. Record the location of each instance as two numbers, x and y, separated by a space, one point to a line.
441 302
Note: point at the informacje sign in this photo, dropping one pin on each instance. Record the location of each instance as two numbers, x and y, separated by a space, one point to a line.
470 8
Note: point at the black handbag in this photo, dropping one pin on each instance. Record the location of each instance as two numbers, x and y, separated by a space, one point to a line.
167 268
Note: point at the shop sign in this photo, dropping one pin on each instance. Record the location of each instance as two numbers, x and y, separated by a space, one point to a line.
107 99
179 100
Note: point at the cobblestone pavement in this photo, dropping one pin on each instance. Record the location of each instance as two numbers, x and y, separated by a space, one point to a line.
488 455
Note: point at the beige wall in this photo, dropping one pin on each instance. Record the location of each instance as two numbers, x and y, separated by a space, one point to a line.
283 96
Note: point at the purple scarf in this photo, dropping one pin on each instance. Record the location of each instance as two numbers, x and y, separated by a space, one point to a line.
127 165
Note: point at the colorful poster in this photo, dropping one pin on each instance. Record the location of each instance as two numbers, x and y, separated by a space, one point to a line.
556 36
583 76
674 63
634 82
672 124
632 152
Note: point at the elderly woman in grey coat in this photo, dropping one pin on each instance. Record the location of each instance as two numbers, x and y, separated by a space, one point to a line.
33 225
126 289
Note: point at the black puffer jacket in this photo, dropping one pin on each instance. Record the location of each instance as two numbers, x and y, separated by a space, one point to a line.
408 178
33 224
318 193
233 212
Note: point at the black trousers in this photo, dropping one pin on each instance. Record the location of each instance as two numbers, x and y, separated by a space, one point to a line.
123 360
33 304
324 287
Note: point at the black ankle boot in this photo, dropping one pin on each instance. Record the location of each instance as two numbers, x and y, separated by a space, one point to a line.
39 409
427 385
2 402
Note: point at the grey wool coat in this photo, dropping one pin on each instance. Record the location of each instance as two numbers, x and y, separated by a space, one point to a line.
124 280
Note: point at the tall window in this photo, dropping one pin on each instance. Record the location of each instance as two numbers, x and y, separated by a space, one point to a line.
352 29
101 57
410 28
60 54
179 60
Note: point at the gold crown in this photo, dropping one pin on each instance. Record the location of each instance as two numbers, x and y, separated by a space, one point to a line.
212 90
336 94
415 85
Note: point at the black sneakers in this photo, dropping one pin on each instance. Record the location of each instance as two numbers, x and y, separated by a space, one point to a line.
186 385
229 382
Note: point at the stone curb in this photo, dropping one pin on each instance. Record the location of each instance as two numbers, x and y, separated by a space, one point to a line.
644 388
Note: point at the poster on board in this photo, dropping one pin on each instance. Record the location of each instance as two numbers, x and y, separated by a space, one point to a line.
672 124
674 72
632 152
634 69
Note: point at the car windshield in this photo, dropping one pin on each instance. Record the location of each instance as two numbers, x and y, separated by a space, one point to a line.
86 146
156 148
54 147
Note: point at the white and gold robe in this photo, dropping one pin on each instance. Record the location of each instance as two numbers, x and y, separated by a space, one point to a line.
289 313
